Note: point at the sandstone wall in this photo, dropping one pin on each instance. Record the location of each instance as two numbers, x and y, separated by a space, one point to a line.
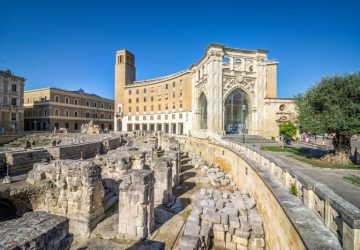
287 222
35 230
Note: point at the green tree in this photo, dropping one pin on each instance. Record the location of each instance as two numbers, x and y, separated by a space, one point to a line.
332 106
287 129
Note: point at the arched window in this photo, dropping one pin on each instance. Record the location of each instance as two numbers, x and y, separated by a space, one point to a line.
75 114
76 101
203 111
66 113
236 112
56 112
67 100
56 98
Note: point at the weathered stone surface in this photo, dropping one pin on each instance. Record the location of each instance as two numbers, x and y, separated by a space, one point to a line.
79 193
35 230
163 181
136 204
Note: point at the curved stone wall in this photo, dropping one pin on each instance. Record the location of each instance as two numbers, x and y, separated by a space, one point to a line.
287 222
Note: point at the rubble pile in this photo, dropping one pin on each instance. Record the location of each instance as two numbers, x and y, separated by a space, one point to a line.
223 219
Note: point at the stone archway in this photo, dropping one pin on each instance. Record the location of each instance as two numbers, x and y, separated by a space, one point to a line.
203 112
236 112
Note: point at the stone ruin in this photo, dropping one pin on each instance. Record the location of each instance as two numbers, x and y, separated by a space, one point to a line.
77 194
43 231
223 219
91 128
136 204
163 181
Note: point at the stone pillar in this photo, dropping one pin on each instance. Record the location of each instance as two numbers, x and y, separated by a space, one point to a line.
136 204
163 181
174 157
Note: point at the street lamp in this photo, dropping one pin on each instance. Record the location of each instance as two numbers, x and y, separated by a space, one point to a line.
244 124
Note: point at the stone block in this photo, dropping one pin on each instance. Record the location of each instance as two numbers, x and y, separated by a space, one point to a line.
234 221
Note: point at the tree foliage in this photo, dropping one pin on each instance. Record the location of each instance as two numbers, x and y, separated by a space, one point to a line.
332 106
287 129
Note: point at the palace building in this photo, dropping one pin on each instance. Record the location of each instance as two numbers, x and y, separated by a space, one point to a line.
49 108
11 102
228 91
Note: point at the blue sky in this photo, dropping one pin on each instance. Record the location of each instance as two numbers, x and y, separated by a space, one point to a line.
72 44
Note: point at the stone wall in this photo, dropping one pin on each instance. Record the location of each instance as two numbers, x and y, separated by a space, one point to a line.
79 193
35 230
136 204
22 161
84 150
287 222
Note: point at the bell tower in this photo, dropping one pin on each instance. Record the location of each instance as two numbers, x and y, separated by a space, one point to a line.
125 73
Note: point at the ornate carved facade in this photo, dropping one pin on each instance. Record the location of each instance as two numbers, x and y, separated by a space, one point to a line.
227 91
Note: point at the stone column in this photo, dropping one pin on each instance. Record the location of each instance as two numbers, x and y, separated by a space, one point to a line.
163 180
174 157
136 204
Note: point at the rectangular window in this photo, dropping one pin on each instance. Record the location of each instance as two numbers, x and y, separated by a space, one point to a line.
166 117
129 91
159 117
137 100
144 108
137 109
166 107
13 87
144 91
144 118
129 118
13 116
152 107
28 100
137 118
173 94
13 101
173 84
181 105
129 100
173 116
144 99
137 91
180 116
173 105
166 86
152 98
129 109
159 107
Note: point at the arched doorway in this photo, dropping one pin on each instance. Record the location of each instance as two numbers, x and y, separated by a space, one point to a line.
203 111
236 112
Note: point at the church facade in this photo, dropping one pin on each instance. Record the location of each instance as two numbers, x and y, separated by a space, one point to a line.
228 91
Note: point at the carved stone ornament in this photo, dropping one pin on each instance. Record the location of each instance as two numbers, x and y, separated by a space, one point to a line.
240 81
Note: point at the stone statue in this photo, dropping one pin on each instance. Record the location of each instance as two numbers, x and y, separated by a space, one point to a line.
90 128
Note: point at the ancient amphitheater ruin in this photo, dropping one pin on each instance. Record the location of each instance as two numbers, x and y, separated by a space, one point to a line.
150 190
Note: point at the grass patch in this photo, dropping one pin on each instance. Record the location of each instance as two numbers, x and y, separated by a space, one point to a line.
353 179
316 162
283 149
